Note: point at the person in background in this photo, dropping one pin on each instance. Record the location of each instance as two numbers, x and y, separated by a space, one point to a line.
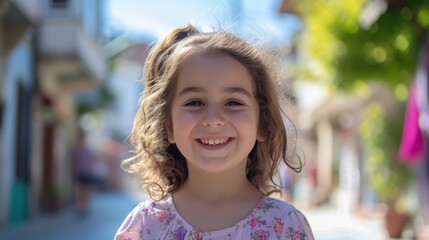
208 139
83 163
100 173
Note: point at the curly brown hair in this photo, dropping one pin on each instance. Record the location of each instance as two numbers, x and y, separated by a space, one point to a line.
160 164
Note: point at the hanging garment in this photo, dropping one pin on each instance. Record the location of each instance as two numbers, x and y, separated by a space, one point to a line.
412 145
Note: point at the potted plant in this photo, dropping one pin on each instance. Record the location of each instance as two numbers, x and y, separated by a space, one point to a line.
390 179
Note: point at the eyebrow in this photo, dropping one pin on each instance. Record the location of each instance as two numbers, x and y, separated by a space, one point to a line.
238 90
191 90
228 90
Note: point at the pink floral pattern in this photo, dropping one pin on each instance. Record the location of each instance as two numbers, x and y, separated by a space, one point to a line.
260 235
278 227
270 219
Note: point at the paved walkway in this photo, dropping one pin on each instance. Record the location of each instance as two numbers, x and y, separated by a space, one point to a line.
330 224
107 213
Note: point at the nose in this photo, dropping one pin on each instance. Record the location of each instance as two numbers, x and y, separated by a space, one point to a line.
214 117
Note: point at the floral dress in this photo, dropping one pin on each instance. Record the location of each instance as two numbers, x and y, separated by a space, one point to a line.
270 219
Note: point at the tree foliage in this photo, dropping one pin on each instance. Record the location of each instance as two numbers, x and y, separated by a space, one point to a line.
340 50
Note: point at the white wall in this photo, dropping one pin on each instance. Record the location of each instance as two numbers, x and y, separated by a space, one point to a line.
18 70
127 87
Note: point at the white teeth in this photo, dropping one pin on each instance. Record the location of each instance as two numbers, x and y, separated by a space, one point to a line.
213 141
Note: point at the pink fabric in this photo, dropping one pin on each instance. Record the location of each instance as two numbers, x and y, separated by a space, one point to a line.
412 145
270 219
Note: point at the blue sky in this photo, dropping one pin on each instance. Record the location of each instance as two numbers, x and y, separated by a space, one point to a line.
249 18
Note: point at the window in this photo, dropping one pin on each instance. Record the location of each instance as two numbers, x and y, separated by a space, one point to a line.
59 3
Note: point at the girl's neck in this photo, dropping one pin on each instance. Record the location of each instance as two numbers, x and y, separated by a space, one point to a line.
215 187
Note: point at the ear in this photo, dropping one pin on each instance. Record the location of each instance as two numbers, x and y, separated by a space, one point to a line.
170 133
260 137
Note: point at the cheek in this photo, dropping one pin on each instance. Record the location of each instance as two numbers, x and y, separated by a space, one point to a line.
182 122
183 119
249 121
245 119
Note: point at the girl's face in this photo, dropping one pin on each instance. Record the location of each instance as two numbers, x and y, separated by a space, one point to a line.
214 113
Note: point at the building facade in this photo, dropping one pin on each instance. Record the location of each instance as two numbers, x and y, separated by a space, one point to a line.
54 53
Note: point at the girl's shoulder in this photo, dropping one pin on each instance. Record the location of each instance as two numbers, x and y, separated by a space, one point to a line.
154 205
281 219
278 211
153 211
276 206
146 219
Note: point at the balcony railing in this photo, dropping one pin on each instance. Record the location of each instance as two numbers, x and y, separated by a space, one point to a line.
65 37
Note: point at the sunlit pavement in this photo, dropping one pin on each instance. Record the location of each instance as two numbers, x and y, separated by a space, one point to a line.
108 210
335 225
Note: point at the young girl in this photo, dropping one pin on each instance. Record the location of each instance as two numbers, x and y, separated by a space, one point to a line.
208 138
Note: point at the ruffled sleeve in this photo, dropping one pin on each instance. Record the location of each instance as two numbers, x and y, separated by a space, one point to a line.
131 228
284 221
298 226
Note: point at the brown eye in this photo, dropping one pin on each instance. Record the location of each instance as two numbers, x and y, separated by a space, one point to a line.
195 103
234 103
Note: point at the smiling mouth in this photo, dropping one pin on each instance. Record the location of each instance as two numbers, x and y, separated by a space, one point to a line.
213 142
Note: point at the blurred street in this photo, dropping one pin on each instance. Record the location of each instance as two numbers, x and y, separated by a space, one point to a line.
108 210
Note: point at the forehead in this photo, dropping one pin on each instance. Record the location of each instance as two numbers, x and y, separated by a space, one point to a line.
213 70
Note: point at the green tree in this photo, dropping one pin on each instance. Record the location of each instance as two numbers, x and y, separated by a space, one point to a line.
341 51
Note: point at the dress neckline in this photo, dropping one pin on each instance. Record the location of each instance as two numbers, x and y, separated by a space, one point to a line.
259 205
